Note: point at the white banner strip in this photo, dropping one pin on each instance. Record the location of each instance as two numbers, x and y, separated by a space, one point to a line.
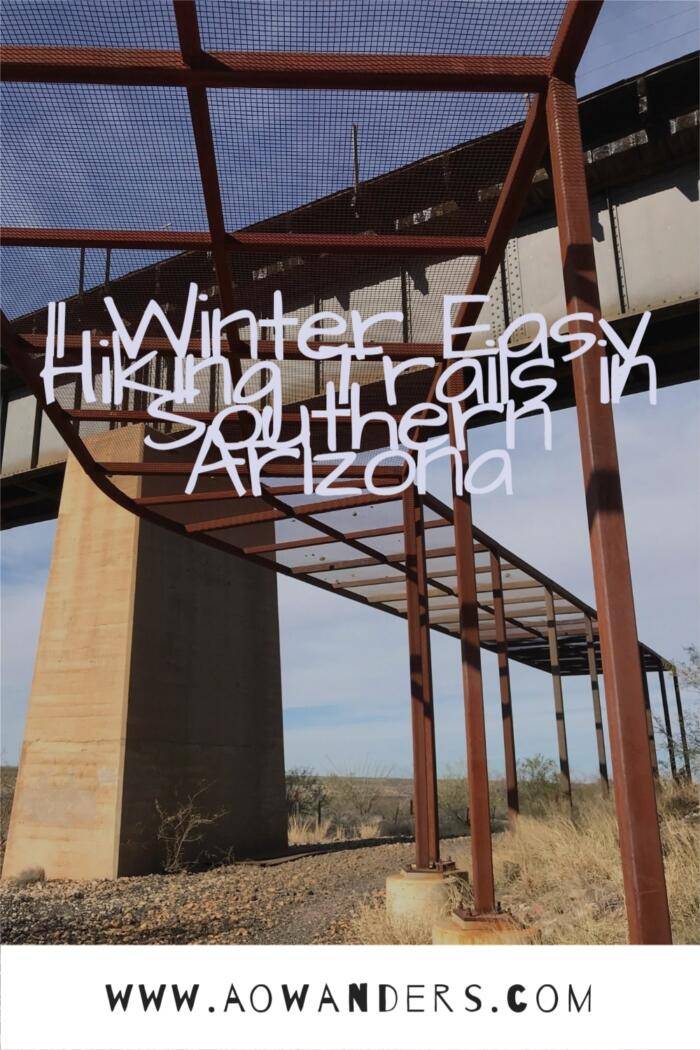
337 998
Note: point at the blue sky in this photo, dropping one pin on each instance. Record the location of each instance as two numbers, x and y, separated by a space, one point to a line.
361 721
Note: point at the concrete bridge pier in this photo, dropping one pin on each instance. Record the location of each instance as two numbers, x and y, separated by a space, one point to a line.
157 672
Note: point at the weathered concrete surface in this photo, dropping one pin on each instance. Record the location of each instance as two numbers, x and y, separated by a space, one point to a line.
483 929
415 900
157 672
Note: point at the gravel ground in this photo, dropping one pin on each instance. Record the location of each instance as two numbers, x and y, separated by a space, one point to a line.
305 901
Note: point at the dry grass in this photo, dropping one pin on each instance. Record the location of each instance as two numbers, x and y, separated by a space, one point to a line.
563 875
308 831
370 829
303 831
370 925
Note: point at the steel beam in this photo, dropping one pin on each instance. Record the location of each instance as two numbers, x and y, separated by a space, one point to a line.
640 843
597 712
575 28
667 726
275 69
266 347
218 495
512 799
681 727
649 720
185 12
472 686
154 240
279 470
134 415
241 241
425 803
555 671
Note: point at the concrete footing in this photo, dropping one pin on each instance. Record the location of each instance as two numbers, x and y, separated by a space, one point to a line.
482 929
416 899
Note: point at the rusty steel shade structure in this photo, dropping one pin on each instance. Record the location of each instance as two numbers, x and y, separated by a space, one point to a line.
244 231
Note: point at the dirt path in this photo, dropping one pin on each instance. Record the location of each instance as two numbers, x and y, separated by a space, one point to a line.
304 901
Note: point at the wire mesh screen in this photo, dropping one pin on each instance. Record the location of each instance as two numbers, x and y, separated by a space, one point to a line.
288 151
513 27
33 277
508 27
97 156
84 23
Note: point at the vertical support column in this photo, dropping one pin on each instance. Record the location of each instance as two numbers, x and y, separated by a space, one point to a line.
681 727
597 713
504 684
640 842
425 807
650 720
667 725
564 769
477 765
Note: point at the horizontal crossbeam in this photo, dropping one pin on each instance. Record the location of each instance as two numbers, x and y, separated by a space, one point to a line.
275 69
303 243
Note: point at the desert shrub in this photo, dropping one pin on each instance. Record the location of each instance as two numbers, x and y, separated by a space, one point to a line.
453 804
397 819
354 799
306 796
181 828
28 876
689 671
538 784
689 674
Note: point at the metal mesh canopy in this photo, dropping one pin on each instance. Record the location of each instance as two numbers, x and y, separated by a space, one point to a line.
149 145
513 27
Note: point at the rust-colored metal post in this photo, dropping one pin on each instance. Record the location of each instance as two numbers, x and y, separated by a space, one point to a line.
667 726
504 683
425 804
477 765
564 769
650 720
640 842
597 713
681 728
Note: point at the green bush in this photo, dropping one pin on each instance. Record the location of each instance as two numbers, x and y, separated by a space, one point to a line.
538 784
